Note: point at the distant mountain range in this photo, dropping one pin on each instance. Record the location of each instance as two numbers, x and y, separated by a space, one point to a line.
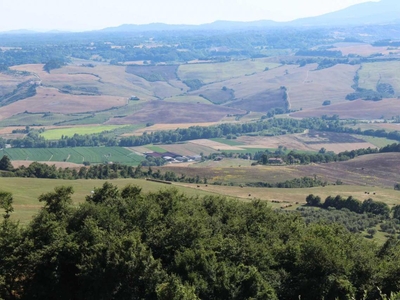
382 12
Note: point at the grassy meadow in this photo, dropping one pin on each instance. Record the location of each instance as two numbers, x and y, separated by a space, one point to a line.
380 72
27 190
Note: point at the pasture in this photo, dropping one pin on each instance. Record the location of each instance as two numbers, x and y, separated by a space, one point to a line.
307 87
292 196
56 134
26 202
380 72
376 141
215 72
74 155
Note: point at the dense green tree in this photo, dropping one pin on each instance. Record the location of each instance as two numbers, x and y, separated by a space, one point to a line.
5 163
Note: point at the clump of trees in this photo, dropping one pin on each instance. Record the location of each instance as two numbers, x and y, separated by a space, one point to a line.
368 206
126 244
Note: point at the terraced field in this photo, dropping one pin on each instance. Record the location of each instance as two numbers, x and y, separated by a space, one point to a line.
75 155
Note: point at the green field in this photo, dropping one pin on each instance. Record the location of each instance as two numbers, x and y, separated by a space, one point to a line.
377 141
156 149
26 203
372 73
75 155
56 134
227 142
213 72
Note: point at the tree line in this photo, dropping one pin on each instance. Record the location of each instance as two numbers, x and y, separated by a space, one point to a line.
113 171
368 206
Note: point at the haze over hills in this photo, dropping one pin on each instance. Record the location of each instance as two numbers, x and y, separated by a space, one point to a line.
383 12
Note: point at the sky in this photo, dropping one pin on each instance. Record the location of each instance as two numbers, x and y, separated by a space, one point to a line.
84 15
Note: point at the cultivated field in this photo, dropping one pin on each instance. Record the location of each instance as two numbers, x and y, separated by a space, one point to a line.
51 100
107 79
215 145
357 109
161 112
214 72
375 170
56 134
159 127
74 155
362 49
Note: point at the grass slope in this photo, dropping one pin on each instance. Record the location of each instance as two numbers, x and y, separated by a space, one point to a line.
26 203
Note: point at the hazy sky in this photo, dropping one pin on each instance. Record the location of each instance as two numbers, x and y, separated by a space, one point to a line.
79 15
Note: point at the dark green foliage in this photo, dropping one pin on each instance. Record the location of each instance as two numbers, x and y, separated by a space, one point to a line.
6 201
369 206
313 200
53 64
354 222
385 89
5 163
326 103
124 244
376 208
364 94
396 212
22 91
193 84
